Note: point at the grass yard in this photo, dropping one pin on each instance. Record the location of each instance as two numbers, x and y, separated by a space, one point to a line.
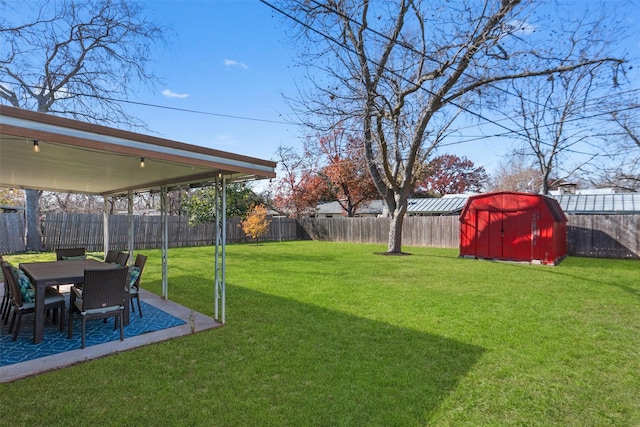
330 334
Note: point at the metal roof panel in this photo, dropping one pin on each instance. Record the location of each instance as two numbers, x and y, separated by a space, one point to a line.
616 203
444 205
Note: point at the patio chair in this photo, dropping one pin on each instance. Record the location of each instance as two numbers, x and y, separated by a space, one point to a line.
52 300
70 253
135 272
4 307
101 297
112 256
63 254
122 258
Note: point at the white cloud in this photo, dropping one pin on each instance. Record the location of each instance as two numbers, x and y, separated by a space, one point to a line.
171 94
234 63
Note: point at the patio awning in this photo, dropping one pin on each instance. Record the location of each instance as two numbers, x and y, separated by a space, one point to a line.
78 157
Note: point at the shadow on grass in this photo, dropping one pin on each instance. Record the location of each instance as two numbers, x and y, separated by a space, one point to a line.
321 367
576 269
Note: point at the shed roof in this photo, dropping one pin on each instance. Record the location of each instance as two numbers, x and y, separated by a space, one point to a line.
617 203
80 157
511 200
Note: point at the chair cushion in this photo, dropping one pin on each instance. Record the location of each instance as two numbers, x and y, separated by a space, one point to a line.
67 258
24 284
78 304
134 273
50 297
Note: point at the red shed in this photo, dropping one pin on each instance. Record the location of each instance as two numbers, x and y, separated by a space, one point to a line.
513 226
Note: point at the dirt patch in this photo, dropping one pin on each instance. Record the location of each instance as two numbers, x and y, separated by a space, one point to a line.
393 253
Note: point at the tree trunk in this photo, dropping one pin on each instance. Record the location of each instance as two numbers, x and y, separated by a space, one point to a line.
396 220
34 232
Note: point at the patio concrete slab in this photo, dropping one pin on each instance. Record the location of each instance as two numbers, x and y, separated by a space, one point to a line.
195 322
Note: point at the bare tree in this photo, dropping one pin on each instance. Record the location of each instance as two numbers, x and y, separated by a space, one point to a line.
516 174
561 118
622 170
70 203
75 58
402 71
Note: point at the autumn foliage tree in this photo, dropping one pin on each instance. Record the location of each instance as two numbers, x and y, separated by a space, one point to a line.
256 224
329 168
10 197
450 174
294 193
344 177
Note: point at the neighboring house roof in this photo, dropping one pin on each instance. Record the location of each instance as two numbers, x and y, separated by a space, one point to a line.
451 204
448 205
617 203
373 207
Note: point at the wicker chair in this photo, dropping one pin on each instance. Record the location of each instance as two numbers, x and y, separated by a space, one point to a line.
6 303
52 300
62 253
66 253
6 299
134 288
122 258
101 297
112 256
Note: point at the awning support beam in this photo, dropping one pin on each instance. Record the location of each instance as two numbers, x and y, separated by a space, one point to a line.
105 225
131 226
220 248
165 241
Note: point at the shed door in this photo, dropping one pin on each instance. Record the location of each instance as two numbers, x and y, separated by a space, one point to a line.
517 239
504 235
486 233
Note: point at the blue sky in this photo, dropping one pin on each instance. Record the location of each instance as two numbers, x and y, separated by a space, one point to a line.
233 58
225 57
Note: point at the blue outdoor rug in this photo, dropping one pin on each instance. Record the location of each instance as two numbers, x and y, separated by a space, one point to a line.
23 349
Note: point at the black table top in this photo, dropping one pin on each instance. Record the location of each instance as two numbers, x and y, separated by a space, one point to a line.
51 273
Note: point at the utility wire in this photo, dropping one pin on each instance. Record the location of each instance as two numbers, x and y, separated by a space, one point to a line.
468 138
165 107
414 50
338 43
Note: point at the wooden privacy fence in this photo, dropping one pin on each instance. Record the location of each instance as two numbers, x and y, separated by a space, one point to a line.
432 231
596 236
86 230
604 236
11 233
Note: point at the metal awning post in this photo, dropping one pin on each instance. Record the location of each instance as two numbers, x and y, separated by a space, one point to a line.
131 225
165 240
105 225
220 248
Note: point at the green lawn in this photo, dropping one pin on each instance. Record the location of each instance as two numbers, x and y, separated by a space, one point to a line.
332 334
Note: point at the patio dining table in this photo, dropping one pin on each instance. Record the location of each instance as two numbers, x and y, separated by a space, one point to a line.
54 273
